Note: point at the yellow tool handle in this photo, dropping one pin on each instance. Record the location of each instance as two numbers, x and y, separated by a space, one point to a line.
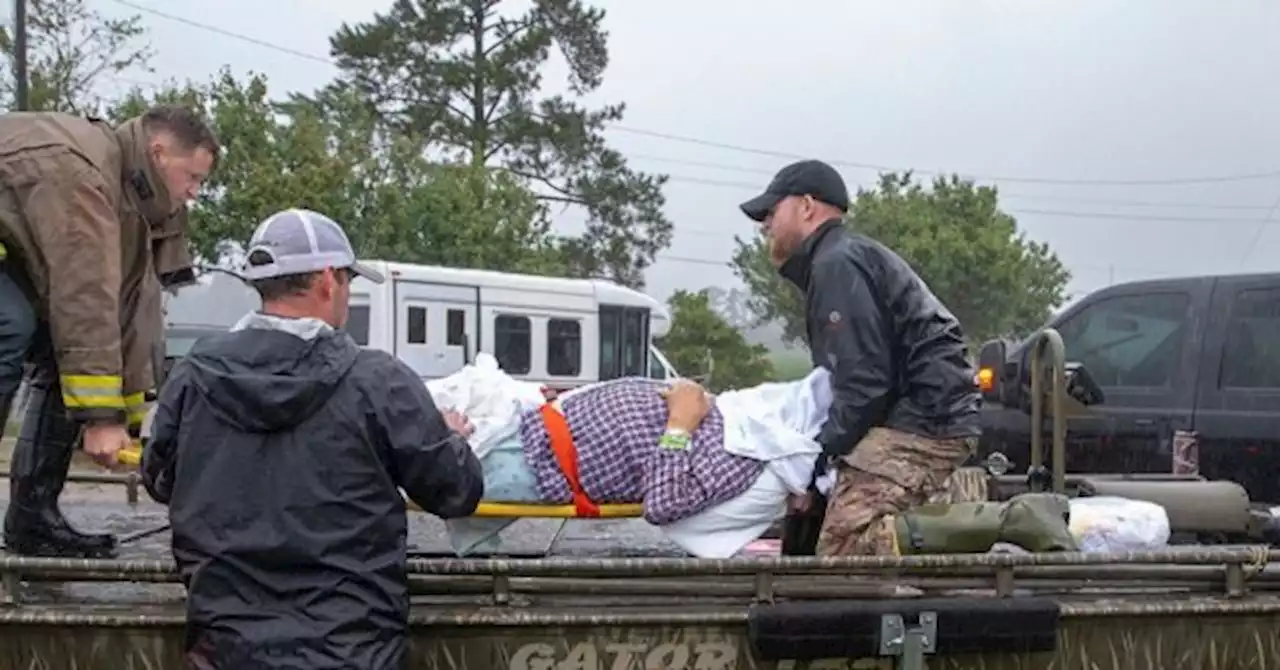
131 456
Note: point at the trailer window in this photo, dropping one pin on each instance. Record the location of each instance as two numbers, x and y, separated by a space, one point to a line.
417 322
1128 341
564 348
456 328
357 325
635 343
624 341
512 343
656 371
610 327
1251 358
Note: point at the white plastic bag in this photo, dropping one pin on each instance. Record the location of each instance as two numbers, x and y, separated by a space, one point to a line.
490 399
1114 524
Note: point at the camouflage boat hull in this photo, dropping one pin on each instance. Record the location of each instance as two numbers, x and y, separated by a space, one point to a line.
1171 642
1215 609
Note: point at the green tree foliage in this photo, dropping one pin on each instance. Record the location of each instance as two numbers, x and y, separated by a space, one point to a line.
336 159
71 50
467 81
701 344
954 234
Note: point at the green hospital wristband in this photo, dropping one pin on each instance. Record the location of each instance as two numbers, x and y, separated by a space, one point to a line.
676 441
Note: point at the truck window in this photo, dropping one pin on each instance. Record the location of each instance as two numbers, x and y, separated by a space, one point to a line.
357 325
512 344
177 347
1251 358
564 347
1128 341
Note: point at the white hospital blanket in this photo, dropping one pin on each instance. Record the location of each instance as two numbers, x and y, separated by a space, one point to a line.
775 423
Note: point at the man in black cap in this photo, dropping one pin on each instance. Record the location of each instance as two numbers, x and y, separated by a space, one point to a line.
905 409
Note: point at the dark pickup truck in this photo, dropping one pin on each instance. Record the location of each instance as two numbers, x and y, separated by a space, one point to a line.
1197 354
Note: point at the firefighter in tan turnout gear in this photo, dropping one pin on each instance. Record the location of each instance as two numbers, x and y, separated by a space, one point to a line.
92 225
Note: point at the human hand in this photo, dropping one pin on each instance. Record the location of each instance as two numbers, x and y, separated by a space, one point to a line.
458 423
103 442
687 405
799 504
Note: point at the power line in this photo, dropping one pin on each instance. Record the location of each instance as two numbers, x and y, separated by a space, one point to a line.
845 163
1262 227
694 260
1102 216
943 173
1004 194
754 150
222 31
1106 216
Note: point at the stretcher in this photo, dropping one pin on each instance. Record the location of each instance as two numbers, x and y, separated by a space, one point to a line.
566 454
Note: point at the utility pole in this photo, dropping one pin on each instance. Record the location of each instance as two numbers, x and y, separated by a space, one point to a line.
20 55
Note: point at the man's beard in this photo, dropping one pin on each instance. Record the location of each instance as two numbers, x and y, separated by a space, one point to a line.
778 254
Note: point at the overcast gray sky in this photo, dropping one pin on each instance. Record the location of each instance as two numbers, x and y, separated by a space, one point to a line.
1005 91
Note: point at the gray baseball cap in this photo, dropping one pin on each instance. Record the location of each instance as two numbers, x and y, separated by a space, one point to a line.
301 241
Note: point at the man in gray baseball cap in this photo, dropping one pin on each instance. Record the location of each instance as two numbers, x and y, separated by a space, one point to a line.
281 448
298 253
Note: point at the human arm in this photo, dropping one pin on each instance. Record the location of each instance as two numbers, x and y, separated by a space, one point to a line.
160 456
432 463
857 351
142 351
671 487
77 230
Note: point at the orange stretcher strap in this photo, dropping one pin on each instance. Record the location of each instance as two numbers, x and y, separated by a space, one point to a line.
567 457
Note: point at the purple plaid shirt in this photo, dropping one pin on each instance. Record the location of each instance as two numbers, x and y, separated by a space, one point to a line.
616 426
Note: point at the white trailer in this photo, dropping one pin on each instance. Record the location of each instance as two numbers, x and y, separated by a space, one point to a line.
550 330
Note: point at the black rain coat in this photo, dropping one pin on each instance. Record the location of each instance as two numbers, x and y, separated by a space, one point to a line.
897 355
280 453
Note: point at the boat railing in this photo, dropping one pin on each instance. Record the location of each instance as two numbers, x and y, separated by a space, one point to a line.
1223 572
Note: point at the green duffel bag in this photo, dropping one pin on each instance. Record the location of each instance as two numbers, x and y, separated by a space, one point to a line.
1036 522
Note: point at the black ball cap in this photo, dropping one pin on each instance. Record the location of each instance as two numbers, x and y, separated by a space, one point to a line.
811 177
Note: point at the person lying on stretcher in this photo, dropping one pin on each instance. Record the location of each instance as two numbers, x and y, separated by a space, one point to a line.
710 472
634 440
712 483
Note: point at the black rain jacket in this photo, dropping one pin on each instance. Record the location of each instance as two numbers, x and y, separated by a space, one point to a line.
897 356
279 457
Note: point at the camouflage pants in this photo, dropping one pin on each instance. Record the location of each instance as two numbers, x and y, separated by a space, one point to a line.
888 473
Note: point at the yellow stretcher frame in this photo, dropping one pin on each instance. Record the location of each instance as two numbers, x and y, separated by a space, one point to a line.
492 509
512 510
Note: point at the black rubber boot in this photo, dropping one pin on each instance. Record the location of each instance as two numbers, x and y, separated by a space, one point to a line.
33 524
